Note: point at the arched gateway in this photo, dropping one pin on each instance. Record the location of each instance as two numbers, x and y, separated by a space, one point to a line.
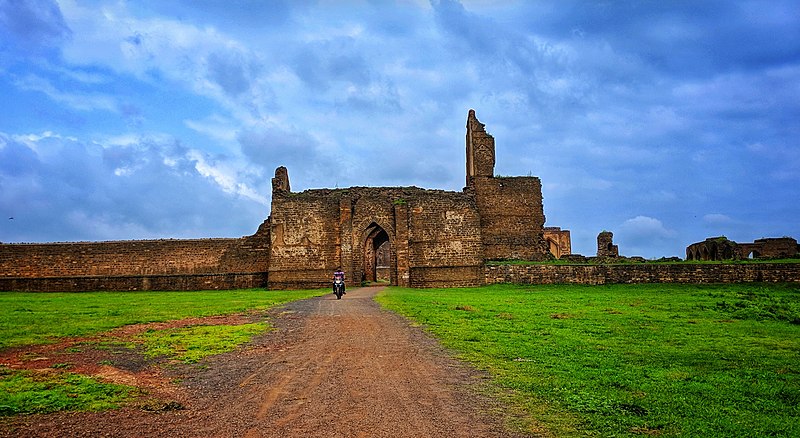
376 246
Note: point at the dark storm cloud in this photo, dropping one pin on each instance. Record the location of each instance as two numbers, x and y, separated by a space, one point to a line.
655 120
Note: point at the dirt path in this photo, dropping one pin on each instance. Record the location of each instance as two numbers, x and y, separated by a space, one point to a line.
332 369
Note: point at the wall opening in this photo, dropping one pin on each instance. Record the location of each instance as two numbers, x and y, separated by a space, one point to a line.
377 254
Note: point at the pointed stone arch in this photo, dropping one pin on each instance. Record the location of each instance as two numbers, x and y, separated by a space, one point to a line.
375 238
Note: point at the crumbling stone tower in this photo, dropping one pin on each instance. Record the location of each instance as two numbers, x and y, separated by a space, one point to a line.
605 245
510 208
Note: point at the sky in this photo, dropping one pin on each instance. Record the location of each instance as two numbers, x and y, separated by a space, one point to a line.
662 122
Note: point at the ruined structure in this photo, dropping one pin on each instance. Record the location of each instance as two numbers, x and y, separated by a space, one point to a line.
605 245
407 235
558 241
404 235
428 238
721 248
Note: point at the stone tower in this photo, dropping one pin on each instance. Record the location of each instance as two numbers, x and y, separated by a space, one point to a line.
511 210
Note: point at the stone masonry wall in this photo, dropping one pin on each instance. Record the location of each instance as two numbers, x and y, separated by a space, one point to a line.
512 217
135 265
305 236
644 273
434 236
444 240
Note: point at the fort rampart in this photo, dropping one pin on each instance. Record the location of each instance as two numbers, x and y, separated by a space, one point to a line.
135 265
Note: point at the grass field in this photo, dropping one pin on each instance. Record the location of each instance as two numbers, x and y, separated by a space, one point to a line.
629 360
36 318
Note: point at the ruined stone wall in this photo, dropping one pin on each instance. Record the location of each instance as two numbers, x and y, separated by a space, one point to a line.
444 240
434 236
512 217
135 265
775 247
304 240
558 241
605 245
643 273
721 248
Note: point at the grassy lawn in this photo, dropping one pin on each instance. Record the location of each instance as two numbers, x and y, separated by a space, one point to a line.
35 318
629 360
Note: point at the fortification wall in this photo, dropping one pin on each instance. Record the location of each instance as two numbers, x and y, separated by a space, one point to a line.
135 265
643 273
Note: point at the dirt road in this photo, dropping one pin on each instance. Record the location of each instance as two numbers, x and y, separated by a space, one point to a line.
331 369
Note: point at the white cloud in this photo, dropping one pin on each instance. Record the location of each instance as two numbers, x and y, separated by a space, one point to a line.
717 219
79 101
644 226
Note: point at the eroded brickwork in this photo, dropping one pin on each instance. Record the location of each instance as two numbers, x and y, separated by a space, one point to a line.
605 245
510 208
433 237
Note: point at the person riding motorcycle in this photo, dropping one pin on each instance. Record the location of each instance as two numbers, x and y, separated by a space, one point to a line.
338 275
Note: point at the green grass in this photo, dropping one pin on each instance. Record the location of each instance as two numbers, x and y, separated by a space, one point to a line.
629 360
27 392
192 344
36 318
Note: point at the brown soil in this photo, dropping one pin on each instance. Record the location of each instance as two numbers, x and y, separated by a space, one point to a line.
331 369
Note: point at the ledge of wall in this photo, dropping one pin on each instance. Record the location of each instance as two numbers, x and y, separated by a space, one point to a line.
180 282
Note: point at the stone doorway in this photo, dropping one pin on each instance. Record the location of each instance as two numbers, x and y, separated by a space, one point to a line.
377 254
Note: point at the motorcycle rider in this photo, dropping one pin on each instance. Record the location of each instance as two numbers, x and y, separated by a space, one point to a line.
338 275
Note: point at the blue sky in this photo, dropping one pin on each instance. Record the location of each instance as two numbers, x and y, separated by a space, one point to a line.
663 122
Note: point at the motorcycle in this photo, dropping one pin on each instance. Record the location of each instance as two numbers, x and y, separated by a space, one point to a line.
338 288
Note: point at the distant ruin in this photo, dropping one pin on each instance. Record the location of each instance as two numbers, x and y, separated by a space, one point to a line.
605 245
721 248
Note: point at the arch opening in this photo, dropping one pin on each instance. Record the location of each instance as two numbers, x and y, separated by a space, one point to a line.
377 254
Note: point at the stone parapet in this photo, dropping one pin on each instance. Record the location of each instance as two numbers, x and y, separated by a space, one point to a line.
643 273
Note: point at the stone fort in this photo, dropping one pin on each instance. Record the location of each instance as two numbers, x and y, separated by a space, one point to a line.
407 235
